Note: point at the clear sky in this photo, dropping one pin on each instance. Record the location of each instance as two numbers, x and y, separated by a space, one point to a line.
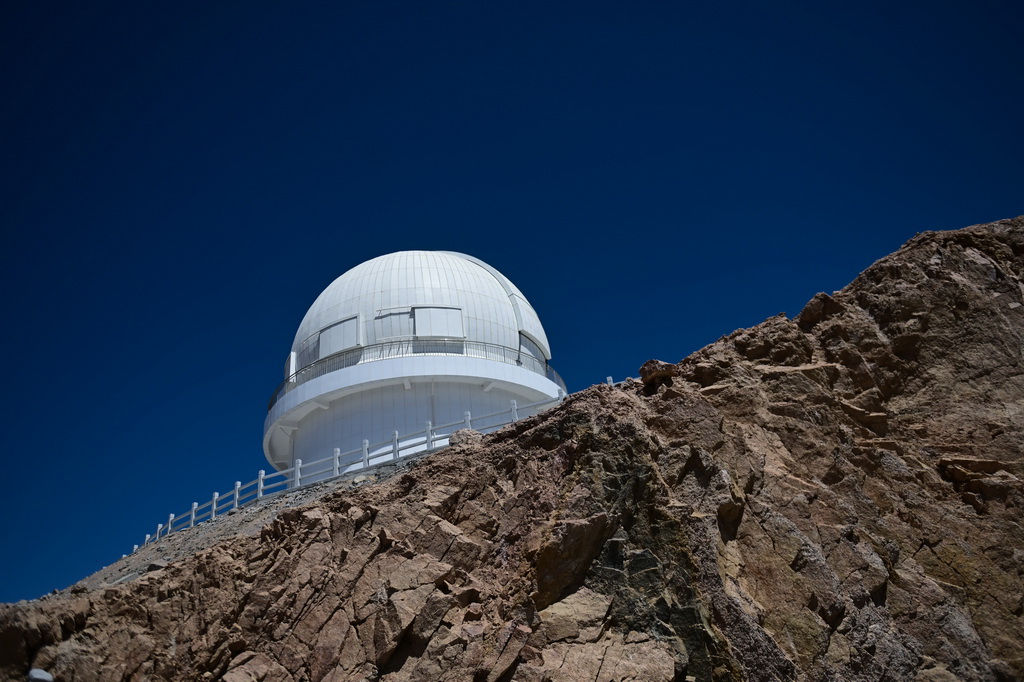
180 180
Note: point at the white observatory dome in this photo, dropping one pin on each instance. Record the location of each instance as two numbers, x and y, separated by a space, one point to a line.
403 342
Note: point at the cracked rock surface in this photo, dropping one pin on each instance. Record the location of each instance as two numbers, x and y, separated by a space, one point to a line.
832 497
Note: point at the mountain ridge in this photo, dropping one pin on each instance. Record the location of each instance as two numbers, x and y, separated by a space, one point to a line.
832 496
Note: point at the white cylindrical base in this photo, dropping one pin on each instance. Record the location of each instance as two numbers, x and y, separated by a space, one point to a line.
376 413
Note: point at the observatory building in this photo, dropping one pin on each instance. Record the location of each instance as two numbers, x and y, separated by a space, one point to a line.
398 353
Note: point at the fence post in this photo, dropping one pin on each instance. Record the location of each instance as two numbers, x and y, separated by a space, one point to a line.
170 523
337 458
366 453
259 484
238 487
394 445
608 380
515 411
135 549
469 418
430 435
146 541
213 506
298 473
159 527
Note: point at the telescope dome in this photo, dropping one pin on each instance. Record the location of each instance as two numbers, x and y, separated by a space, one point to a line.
410 294
416 343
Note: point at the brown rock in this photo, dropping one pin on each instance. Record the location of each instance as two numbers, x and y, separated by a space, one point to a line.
580 616
655 372
832 497
465 436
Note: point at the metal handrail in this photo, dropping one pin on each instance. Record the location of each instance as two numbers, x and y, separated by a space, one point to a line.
433 436
409 347
338 465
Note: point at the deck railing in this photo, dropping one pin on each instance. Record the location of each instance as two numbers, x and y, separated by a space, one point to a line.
341 464
346 464
409 347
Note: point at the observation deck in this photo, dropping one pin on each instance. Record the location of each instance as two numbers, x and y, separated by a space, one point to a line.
389 350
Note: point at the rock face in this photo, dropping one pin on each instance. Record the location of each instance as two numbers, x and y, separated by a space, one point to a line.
832 497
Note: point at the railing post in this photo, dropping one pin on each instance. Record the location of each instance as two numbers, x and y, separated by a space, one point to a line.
192 516
515 411
298 473
213 506
170 523
469 418
337 458
146 541
259 484
394 445
366 453
608 380
430 435
159 527
238 487
135 549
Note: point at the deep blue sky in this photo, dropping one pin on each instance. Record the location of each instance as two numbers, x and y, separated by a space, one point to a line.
180 180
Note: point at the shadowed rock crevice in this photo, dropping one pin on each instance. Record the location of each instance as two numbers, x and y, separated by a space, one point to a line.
831 497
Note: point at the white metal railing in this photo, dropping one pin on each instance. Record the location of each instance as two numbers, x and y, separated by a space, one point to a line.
351 463
387 350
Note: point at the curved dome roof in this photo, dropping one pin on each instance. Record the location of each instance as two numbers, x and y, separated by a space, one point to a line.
418 294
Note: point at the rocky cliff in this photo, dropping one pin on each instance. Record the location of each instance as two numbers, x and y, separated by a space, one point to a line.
832 497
